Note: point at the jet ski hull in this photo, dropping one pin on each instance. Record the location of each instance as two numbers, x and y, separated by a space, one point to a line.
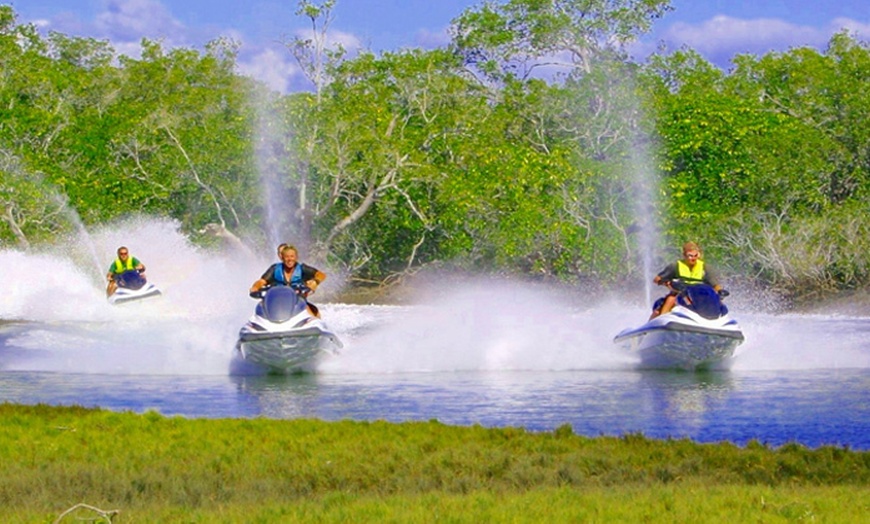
123 295
682 339
284 335
287 351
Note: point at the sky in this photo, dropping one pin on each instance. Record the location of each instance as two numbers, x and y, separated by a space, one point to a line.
718 29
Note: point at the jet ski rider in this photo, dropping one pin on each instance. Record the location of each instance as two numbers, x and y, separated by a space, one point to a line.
291 272
690 269
121 265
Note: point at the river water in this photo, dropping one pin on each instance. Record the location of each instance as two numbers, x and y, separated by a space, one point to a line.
495 355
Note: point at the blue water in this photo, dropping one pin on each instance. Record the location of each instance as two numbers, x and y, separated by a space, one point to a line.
487 361
490 353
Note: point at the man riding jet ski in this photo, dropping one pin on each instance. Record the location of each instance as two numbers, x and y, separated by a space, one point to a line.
126 278
285 334
690 328
290 272
691 269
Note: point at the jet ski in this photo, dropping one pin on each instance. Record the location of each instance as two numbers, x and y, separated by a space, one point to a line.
285 335
698 333
132 286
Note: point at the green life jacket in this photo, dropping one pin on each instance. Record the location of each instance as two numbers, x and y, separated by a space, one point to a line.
120 267
695 274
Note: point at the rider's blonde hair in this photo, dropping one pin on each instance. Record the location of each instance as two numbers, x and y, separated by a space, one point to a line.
691 246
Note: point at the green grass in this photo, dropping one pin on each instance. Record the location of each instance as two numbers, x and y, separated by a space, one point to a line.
153 468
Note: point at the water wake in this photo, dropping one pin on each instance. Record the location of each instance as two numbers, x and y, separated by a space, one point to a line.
54 317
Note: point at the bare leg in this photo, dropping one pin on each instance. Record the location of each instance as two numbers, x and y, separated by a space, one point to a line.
670 302
314 310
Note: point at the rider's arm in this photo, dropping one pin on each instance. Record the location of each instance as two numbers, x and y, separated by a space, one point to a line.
264 280
666 275
316 279
257 285
711 277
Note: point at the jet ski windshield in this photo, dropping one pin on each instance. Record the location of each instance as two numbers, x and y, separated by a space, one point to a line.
704 300
281 304
130 279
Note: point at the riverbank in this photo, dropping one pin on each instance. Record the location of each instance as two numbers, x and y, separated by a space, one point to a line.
121 467
853 303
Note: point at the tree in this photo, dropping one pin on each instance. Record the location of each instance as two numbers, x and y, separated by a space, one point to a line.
30 208
377 126
513 37
596 115
184 142
759 163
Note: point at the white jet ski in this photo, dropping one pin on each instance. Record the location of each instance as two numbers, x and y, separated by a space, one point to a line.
132 286
284 335
698 333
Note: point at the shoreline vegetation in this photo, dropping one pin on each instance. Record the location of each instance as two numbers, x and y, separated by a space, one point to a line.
390 162
842 302
67 464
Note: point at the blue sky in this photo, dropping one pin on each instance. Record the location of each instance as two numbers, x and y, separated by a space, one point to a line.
718 29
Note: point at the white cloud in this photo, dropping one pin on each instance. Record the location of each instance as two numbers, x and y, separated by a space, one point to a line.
41 23
720 38
350 42
273 67
130 49
130 20
724 33
852 26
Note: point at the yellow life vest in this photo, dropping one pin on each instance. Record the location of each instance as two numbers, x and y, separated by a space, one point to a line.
120 266
695 274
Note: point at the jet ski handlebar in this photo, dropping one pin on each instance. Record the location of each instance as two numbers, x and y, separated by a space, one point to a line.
680 286
300 289
676 284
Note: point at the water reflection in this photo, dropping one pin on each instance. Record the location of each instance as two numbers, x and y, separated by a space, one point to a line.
597 402
294 396
811 407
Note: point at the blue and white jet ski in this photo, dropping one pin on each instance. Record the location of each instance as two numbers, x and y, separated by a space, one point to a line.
284 335
132 286
698 333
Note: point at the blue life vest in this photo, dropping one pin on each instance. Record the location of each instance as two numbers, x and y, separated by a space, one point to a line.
296 279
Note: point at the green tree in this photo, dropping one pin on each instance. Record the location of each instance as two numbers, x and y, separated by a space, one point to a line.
758 163
183 146
30 208
377 127
594 119
510 38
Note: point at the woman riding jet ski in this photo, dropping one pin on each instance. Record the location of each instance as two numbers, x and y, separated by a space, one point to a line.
285 333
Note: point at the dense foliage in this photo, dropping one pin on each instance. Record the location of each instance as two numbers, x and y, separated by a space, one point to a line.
531 144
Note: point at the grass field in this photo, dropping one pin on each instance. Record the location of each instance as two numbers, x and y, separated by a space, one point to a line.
69 464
